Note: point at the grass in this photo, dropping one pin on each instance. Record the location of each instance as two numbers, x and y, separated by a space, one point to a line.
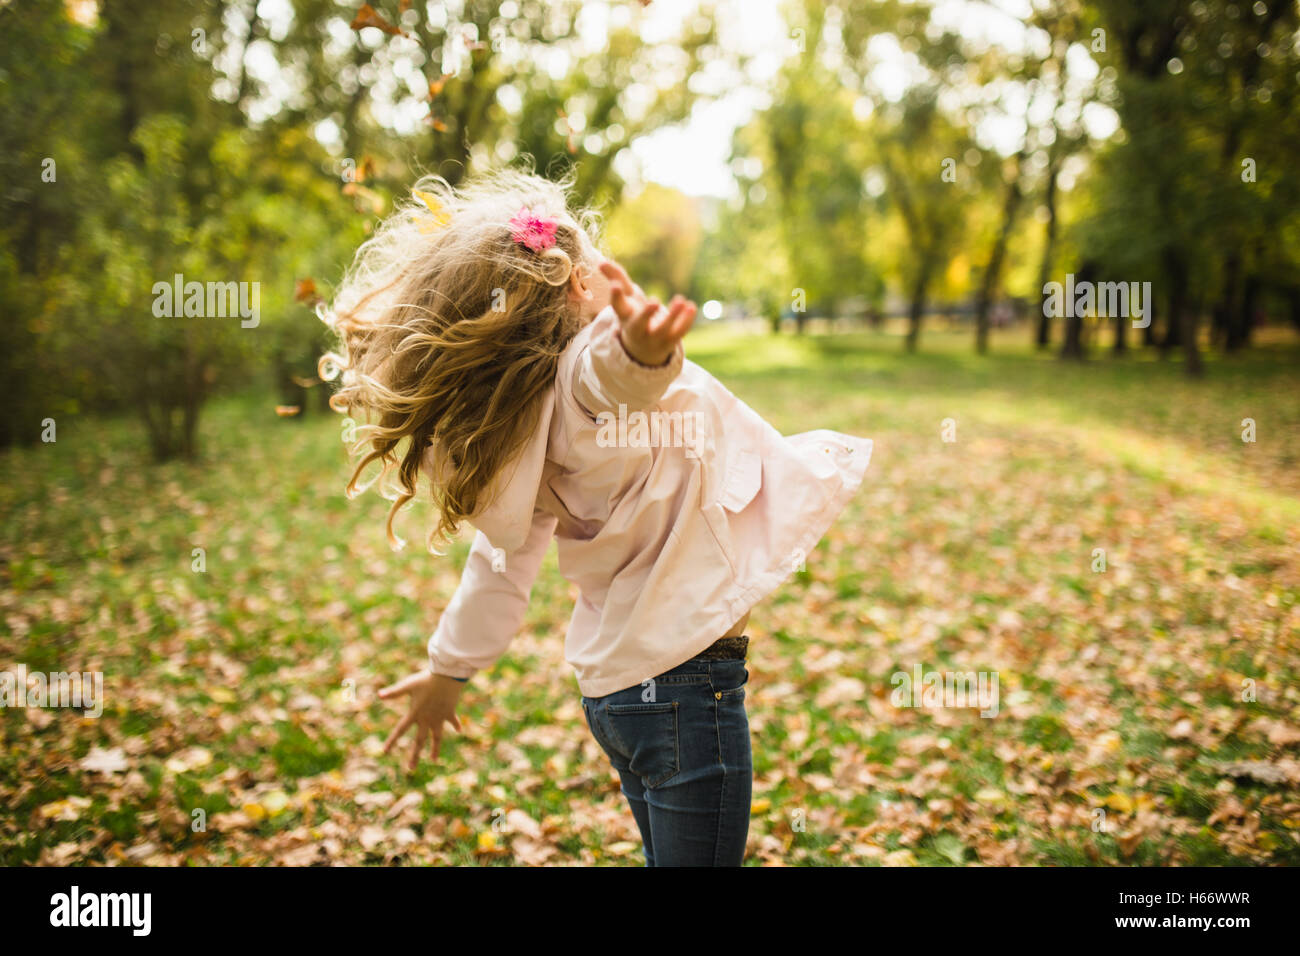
240 723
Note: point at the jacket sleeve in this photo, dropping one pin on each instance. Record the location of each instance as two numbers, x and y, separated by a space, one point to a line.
488 607
605 376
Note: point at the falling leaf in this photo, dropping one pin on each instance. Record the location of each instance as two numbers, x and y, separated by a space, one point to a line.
304 290
440 216
287 411
435 86
368 17
373 202
572 145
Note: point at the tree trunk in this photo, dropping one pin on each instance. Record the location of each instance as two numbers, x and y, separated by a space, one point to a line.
1173 332
1242 321
1183 320
917 309
989 284
1149 332
1044 336
1226 311
1072 347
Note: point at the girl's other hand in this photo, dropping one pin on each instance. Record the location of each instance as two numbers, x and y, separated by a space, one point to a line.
433 703
649 333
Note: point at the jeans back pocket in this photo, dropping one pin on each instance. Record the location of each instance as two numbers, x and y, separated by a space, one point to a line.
647 735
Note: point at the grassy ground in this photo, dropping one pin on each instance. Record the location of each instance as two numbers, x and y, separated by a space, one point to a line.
1148 712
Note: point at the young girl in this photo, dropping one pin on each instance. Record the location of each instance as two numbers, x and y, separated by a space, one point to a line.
542 395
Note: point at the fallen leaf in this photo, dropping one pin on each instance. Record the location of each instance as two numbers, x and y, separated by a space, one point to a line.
100 760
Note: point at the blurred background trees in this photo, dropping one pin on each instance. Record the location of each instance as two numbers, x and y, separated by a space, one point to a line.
899 165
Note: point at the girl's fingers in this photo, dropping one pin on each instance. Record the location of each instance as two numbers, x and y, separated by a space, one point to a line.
646 317
403 686
417 746
641 322
622 308
672 319
437 744
398 731
684 322
614 272
620 287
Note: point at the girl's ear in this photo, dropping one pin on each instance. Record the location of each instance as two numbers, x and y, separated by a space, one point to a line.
578 288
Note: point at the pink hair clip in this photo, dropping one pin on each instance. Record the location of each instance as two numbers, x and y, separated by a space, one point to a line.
532 231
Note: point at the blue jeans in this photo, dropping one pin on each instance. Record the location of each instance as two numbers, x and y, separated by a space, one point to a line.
680 744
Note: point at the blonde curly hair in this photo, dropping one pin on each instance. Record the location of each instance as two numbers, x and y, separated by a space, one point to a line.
449 334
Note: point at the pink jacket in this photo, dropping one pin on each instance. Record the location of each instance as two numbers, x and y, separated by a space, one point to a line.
675 507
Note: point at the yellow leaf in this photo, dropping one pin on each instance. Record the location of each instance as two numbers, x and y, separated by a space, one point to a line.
67 809
760 806
254 811
1120 802
440 215
275 802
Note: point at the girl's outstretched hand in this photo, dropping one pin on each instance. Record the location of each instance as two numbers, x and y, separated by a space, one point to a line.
433 703
649 333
